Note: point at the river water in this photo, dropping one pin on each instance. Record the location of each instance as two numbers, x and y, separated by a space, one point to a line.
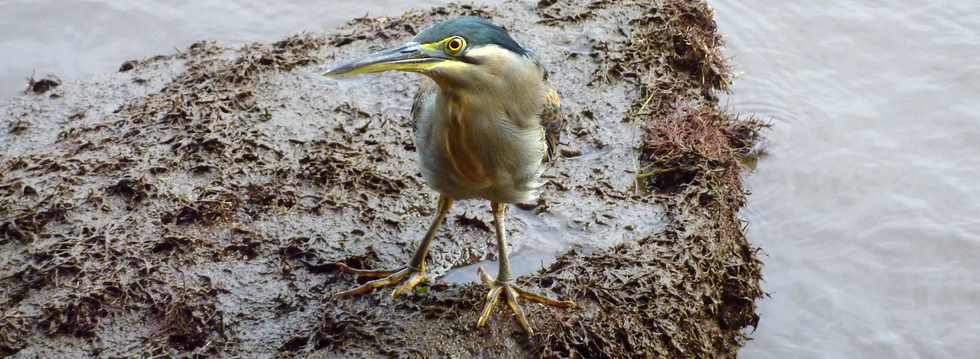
78 38
867 206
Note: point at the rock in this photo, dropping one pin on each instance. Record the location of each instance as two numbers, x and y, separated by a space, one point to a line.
128 65
45 84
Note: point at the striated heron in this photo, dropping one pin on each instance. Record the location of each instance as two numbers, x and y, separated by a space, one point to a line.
486 125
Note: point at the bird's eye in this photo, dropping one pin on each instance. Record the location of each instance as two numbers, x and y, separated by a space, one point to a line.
455 45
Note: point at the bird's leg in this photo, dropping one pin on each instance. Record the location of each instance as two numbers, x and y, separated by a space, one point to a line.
503 286
410 276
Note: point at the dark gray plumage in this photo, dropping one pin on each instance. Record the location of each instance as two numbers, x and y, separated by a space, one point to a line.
477 32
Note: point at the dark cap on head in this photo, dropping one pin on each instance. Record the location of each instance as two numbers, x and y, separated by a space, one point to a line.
477 32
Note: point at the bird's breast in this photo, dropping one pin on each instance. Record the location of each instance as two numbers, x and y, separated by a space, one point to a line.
467 152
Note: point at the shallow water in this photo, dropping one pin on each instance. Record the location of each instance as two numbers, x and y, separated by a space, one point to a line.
78 38
867 206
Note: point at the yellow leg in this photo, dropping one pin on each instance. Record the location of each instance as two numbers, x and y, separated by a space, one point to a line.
503 285
408 277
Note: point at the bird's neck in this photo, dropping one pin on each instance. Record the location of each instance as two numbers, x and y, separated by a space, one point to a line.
514 97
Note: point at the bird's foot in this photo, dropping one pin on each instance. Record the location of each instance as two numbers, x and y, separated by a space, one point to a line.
408 277
510 293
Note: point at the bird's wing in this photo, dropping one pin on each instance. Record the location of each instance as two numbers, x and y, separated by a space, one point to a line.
553 121
426 88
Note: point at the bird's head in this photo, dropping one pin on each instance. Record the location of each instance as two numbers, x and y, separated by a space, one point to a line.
458 52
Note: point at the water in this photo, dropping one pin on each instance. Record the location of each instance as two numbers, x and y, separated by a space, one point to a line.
868 205
78 38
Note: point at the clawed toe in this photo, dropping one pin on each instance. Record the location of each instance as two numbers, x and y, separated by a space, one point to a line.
408 277
510 294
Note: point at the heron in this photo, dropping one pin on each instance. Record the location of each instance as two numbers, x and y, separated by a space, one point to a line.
486 125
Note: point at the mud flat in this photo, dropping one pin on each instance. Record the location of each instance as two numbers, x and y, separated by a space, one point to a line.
195 203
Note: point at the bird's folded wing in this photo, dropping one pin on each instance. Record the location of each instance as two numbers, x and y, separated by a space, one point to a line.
553 121
426 88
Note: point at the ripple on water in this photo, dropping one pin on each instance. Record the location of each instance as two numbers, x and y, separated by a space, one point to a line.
867 204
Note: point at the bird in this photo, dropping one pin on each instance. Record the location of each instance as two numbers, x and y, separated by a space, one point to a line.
486 124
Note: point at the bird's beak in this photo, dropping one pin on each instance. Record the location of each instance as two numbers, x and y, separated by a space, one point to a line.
411 57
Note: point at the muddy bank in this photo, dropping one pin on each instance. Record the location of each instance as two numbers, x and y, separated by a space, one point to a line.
195 203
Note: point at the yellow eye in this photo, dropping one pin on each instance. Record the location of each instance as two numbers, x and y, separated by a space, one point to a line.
455 45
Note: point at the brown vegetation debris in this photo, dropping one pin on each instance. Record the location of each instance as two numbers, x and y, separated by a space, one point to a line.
190 319
693 141
18 127
353 169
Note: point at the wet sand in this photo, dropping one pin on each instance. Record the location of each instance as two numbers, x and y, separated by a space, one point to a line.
196 203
